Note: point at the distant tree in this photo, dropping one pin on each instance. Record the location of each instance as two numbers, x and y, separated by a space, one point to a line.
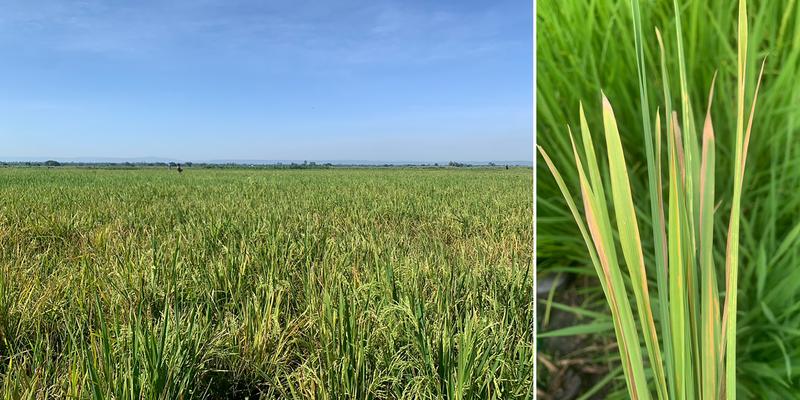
52 163
172 165
188 164
491 164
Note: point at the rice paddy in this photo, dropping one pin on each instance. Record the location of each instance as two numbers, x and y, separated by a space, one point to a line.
328 284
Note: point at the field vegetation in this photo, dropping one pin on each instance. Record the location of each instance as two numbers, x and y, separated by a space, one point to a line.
327 284
614 46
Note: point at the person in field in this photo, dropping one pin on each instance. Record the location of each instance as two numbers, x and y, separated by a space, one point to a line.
180 169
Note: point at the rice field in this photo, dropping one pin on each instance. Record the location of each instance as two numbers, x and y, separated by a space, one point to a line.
377 283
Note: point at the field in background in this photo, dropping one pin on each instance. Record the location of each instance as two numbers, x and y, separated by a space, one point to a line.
331 284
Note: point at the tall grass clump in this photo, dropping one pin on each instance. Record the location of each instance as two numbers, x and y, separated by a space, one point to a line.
586 45
689 335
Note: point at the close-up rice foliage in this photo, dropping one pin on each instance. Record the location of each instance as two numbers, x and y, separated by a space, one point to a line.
329 284
710 247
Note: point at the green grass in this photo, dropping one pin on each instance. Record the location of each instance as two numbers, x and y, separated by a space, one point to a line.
593 45
328 284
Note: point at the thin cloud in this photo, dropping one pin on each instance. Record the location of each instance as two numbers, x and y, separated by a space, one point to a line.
345 33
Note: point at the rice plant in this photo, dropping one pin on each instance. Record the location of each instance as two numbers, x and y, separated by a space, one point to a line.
697 332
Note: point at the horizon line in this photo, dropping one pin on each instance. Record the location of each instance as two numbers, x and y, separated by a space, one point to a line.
245 161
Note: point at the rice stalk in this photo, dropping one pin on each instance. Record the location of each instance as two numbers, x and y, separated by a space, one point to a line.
695 362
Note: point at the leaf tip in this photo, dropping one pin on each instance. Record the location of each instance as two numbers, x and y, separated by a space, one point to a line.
606 103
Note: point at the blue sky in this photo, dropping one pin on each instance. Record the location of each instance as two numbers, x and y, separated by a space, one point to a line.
236 79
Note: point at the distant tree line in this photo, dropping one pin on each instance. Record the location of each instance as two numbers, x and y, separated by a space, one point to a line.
53 163
304 165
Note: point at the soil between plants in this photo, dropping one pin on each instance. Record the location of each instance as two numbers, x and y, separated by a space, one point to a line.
570 366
